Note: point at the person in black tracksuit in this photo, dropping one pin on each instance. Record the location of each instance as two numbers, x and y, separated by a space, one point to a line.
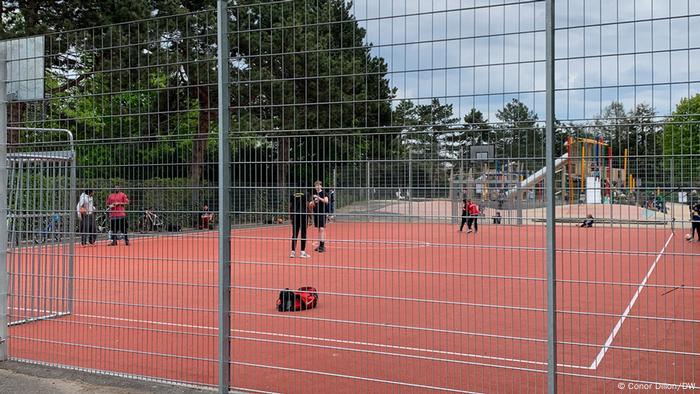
298 215
320 208
695 222
464 214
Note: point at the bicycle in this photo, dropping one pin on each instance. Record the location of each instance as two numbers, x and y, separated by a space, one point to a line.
53 229
149 221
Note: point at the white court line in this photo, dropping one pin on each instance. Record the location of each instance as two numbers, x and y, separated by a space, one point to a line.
616 329
344 376
362 246
371 244
344 341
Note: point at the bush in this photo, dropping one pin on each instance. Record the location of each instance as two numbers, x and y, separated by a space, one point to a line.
174 199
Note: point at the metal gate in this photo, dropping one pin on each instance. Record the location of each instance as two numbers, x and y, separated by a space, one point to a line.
41 225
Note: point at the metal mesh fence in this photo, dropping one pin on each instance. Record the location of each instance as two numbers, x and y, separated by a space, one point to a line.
389 154
39 226
139 98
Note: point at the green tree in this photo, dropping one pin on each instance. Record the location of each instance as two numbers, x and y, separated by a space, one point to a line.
298 69
614 126
636 132
427 129
302 69
681 145
647 146
519 135
34 17
427 132
475 130
67 56
97 82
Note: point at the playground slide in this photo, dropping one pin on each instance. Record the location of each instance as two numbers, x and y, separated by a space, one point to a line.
540 174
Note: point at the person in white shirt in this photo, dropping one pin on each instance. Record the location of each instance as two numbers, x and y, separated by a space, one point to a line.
86 214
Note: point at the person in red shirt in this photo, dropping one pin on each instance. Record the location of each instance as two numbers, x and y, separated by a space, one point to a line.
116 203
473 211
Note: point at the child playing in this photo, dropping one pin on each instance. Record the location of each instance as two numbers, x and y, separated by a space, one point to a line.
588 222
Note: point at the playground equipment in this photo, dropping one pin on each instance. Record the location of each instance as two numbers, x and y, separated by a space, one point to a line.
588 185
590 171
538 176
585 170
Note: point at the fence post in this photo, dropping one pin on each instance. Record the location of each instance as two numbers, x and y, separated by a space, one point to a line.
369 189
71 223
224 199
3 212
409 194
453 196
518 205
549 187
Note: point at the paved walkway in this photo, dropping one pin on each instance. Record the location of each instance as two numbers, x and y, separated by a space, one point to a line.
36 379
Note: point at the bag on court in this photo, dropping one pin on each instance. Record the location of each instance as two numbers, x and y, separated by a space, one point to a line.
299 300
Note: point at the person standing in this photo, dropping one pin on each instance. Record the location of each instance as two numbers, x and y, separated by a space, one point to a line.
695 222
464 214
473 211
297 212
320 209
116 203
86 214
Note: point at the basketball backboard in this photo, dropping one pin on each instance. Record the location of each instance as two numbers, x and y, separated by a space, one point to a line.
24 59
481 152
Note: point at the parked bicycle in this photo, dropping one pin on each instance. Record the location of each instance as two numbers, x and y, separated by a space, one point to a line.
49 229
150 221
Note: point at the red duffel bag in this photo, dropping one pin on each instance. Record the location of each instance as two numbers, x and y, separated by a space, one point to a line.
297 300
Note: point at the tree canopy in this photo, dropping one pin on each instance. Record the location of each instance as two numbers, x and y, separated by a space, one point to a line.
681 142
143 72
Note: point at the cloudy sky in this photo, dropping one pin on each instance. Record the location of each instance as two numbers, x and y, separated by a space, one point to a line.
482 53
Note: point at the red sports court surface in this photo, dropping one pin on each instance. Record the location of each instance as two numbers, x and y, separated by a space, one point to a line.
418 305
